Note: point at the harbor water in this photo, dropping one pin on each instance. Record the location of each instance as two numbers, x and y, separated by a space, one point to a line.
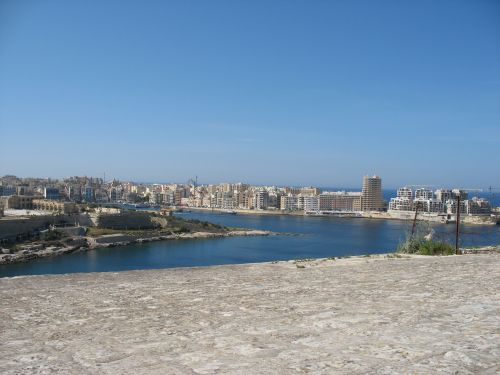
304 237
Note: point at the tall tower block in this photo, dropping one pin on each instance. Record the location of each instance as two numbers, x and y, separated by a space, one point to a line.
371 197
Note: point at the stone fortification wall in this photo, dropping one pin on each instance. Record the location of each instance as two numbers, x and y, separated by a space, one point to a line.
16 228
12 229
126 220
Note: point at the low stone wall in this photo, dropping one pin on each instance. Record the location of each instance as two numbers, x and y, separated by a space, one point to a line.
73 231
110 239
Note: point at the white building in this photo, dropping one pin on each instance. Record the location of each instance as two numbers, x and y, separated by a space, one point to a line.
308 203
423 193
401 204
289 203
405 192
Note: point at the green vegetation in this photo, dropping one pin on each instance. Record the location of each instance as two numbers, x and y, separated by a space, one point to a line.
419 245
52 235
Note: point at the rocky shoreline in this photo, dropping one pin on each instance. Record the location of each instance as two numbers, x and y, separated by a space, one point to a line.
31 252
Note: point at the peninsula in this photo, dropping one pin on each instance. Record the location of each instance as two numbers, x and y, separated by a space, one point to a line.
29 238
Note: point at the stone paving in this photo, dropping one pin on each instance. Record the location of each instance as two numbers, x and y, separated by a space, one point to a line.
377 315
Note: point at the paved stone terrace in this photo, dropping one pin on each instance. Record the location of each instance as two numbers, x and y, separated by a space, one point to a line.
419 315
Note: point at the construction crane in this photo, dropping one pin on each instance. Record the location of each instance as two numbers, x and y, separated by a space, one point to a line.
492 191
193 181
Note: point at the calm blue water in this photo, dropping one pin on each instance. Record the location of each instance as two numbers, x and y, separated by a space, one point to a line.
314 237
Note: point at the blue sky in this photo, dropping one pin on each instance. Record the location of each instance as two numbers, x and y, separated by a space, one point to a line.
271 92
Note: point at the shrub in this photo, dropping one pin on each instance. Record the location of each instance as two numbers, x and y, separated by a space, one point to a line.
53 235
421 246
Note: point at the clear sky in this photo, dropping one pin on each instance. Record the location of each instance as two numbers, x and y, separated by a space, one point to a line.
271 92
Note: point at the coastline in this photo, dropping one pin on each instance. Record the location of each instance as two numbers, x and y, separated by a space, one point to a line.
35 251
466 220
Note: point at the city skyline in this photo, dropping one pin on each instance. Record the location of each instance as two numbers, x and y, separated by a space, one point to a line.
271 93
356 185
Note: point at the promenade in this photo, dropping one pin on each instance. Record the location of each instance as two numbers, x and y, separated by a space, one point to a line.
378 315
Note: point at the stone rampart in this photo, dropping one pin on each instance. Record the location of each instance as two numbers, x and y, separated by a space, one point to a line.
126 220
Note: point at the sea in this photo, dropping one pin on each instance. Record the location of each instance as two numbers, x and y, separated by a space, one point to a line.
301 237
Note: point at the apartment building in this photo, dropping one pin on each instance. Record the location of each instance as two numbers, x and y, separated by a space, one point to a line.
428 205
261 200
289 202
424 193
371 195
443 194
340 201
308 203
309 191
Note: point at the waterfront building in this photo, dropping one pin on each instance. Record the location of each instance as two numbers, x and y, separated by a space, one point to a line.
477 206
405 192
308 203
206 201
443 194
273 200
401 204
340 201
371 199
424 193
403 200
451 206
261 200
226 200
429 205
288 202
